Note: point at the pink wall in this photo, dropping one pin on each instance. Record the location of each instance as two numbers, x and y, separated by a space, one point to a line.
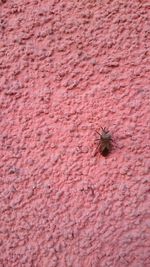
68 68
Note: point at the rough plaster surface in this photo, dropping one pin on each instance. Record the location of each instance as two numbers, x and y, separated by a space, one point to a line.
66 69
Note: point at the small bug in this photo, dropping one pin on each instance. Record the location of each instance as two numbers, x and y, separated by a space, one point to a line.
105 142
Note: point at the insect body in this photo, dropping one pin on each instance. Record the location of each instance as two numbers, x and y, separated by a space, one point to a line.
105 142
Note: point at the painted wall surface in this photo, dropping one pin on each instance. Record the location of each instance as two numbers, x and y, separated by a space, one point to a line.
66 69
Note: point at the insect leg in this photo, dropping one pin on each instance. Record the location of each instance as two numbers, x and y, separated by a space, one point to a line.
98 133
97 149
114 142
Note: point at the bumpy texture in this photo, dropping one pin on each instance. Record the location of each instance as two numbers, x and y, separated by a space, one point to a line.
68 68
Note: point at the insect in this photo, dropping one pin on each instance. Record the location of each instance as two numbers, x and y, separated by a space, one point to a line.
105 142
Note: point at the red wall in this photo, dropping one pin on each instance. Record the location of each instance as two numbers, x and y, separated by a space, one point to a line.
66 69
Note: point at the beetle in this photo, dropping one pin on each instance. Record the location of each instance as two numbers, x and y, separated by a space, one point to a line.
105 142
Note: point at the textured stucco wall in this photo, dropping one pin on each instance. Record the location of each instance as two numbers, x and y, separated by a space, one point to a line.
66 69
